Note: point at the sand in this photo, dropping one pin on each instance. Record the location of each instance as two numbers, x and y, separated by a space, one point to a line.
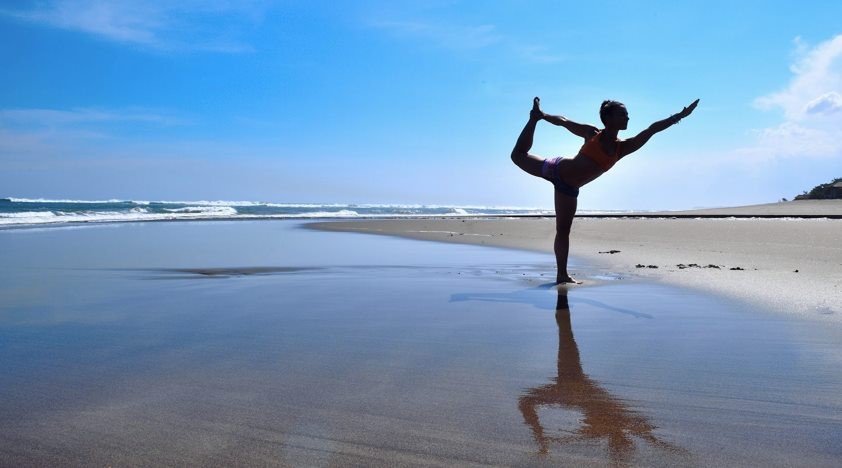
788 265
260 343
800 208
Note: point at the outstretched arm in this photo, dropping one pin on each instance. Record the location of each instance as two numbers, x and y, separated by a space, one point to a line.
582 130
636 142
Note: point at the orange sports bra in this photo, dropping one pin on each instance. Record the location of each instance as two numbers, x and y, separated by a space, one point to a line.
593 150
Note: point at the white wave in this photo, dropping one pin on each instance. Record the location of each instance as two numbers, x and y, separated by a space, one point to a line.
139 202
46 200
209 203
25 214
450 207
206 210
251 203
307 205
136 214
208 213
141 214
27 217
397 207
220 210
321 214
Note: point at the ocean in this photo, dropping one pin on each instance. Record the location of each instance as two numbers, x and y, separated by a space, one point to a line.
22 212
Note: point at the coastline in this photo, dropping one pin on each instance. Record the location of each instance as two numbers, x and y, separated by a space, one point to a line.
788 265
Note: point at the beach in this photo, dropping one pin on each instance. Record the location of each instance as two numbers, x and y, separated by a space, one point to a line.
785 257
323 234
273 343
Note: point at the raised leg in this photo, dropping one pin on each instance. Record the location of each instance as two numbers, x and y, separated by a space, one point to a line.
565 210
520 154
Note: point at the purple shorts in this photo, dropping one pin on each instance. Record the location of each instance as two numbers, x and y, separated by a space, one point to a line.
550 172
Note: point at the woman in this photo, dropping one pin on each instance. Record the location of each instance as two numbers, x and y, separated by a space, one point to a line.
602 149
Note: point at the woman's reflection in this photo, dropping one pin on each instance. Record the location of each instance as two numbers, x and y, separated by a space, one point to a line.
604 417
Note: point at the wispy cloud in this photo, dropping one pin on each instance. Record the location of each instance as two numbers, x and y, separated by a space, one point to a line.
64 131
793 139
155 24
461 37
811 105
60 117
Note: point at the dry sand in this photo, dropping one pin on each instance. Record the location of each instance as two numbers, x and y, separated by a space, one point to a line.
800 208
791 265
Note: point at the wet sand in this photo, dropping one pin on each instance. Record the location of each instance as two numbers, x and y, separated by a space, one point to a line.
261 343
792 265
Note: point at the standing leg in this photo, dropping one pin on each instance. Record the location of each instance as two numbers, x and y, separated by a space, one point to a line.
520 154
565 209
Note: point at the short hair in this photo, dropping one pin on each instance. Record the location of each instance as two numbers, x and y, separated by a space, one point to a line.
608 107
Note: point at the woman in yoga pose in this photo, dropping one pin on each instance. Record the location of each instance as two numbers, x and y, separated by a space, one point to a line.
602 149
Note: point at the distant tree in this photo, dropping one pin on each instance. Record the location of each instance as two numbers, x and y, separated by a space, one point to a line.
829 191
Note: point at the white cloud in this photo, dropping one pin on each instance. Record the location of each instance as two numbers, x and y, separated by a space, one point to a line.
818 72
811 105
154 24
827 103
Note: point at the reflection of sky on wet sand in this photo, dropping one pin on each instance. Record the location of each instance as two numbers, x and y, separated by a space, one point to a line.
351 349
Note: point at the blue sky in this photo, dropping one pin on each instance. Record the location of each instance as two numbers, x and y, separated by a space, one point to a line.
413 102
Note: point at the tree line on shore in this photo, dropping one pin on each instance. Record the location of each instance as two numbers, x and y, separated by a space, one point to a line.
829 191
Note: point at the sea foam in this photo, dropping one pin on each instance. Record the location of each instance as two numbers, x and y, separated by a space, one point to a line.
19 211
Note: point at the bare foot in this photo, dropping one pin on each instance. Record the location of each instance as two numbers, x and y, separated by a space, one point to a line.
536 113
566 280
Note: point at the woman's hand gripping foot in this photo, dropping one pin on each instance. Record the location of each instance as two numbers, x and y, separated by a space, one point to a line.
536 113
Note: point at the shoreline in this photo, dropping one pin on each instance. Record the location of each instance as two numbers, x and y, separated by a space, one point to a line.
784 256
790 266
802 209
